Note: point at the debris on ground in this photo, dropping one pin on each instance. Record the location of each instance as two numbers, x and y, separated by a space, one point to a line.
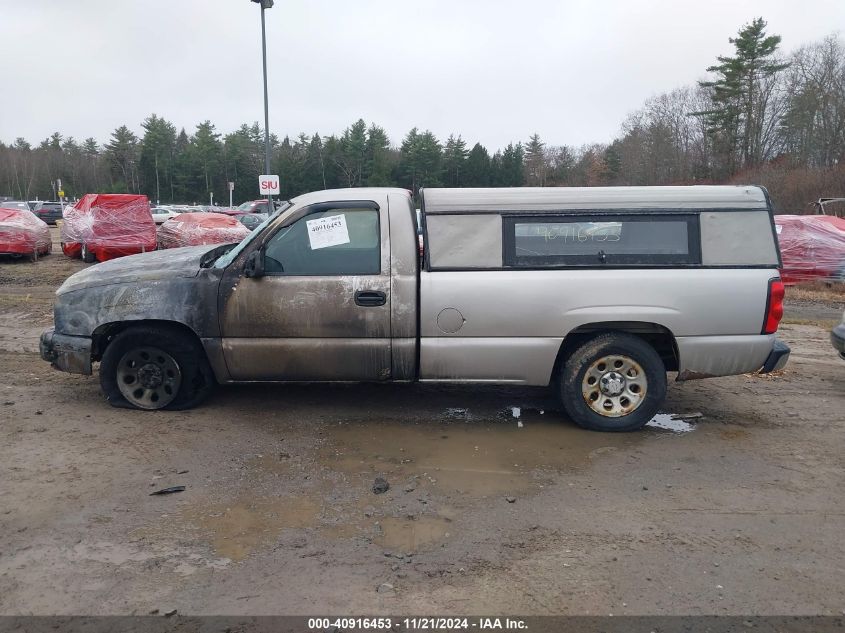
171 613
510 499
380 485
385 587
168 491
671 422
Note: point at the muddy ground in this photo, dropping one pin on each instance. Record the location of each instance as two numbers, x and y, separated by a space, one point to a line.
738 510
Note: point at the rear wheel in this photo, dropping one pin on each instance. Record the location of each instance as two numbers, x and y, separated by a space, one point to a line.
87 255
613 382
155 368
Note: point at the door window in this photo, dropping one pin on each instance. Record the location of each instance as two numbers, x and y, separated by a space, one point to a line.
333 242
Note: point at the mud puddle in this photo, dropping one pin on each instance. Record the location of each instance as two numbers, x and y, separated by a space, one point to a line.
411 535
469 460
236 530
438 472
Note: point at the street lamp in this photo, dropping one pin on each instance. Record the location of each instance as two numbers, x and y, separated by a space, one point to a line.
265 4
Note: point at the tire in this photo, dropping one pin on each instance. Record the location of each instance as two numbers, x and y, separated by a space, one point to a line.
613 382
87 256
155 368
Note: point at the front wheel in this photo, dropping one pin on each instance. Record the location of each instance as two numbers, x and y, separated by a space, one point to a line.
613 382
152 368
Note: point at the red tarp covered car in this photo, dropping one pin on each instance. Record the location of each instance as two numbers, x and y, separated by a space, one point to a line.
23 233
108 225
812 247
195 229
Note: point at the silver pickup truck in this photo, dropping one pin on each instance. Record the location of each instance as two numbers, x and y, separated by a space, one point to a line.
597 292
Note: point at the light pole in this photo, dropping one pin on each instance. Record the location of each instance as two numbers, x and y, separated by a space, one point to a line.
265 4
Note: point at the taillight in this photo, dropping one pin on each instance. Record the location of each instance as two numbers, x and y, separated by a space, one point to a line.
774 306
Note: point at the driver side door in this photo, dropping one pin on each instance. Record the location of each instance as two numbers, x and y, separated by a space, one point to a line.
321 310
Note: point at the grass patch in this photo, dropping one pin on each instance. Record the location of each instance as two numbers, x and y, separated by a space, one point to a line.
817 292
826 324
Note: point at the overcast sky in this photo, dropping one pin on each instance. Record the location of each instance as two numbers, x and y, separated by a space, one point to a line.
492 70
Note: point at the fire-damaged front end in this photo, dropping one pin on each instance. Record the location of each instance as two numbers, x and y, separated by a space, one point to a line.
176 286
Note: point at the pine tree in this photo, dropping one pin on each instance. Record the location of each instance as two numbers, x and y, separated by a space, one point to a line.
122 153
156 158
454 159
536 163
737 116
477 170
378 159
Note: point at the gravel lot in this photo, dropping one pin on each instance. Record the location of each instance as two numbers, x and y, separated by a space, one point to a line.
739 510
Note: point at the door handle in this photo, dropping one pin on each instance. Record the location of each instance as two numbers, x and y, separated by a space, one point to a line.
370 298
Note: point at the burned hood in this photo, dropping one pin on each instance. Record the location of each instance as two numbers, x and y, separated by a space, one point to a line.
146 267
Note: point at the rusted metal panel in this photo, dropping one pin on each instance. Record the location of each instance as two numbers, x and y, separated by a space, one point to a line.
308 359
66 353
171 286
284 312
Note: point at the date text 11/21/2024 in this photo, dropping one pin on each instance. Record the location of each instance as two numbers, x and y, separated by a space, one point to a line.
418 623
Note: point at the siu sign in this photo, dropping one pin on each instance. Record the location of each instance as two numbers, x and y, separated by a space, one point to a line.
268 185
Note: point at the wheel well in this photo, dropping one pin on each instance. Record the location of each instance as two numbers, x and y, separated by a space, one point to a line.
103 335
659 337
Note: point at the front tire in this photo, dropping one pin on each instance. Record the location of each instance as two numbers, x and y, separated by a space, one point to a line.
613 382
155 368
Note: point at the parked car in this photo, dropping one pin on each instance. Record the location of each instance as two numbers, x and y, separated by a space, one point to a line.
250 220
194 229
837 338
23 234
812 247
162 214
103 226
255 206
47 211
332 289
20 205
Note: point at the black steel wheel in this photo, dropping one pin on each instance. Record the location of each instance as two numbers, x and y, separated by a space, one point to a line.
153 368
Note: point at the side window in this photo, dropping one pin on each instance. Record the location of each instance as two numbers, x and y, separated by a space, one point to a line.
333 242
602 240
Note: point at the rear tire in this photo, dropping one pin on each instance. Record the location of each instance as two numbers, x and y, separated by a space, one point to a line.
155 368
87 256
613 382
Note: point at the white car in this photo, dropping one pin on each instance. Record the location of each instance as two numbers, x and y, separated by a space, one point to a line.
162 215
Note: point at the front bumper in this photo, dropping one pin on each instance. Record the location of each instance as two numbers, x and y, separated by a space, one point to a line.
777 358
837 339
66 353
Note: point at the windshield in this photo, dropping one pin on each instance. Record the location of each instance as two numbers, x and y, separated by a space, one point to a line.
245 206
229 257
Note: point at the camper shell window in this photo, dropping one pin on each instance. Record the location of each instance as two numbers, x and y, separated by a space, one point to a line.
601 240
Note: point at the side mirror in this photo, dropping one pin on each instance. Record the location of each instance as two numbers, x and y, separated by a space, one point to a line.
254 264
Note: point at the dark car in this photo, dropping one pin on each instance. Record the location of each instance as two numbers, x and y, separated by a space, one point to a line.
49 212
255 206
250 220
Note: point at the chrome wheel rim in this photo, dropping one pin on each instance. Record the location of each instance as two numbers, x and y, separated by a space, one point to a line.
148 377
614 385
